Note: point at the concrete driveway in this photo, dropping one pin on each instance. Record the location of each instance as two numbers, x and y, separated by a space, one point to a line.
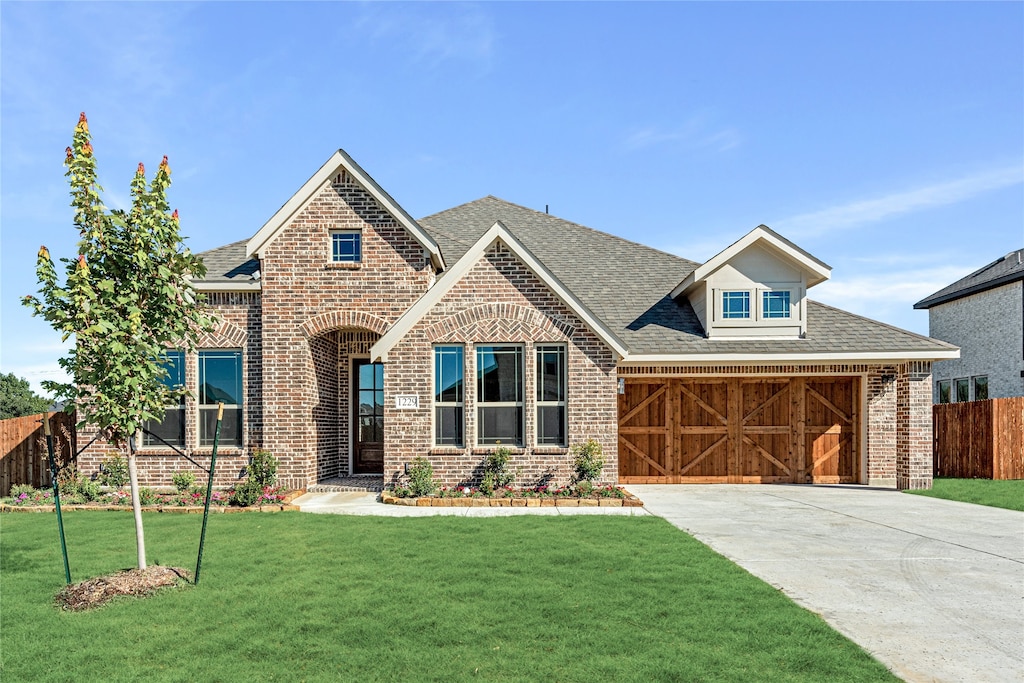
932 588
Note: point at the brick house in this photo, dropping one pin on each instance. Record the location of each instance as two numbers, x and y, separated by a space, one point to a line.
354 338
983 314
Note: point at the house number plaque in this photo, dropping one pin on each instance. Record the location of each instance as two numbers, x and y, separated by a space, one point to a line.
407 402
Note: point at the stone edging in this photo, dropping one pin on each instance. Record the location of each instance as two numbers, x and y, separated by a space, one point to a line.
630 501
179 509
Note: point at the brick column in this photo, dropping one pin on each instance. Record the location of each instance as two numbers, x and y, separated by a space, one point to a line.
880 449
914 426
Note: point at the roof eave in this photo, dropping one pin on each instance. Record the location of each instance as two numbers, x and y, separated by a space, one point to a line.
929 302
718 358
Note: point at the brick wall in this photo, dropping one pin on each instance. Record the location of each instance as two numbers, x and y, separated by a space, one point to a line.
989 329
914 426
499 301
306 296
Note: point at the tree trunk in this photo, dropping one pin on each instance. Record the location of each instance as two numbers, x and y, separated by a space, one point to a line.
133 478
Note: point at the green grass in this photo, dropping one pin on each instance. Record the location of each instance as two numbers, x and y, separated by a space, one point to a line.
299 597
1006 493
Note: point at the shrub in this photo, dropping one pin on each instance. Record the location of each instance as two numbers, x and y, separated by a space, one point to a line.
246 493
587 461
496 473
183 480
147 496
421 477
75 487
262 468
113 471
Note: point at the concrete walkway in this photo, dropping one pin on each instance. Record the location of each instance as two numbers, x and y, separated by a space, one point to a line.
365 503
932 588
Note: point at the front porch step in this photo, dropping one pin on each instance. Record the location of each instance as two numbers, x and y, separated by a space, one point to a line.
343 484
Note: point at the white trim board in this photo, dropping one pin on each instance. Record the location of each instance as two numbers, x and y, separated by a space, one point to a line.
496 233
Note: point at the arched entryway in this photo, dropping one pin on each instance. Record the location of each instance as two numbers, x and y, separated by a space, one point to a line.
348 404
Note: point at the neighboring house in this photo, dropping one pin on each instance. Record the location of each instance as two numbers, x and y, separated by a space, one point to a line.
983 314
354 339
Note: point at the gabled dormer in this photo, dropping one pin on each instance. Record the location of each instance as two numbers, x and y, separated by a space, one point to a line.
757 287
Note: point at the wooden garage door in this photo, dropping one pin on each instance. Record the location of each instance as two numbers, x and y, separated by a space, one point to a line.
737 430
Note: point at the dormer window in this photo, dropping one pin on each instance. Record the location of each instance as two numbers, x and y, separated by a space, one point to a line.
346 246
736 305
775 304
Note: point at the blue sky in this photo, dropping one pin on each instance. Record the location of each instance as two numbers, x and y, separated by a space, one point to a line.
887 139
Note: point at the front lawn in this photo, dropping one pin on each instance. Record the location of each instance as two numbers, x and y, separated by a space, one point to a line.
297 597
1005 493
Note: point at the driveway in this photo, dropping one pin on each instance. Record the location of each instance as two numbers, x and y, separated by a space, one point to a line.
932 588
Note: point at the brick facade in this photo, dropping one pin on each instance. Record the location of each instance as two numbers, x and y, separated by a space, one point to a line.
989 329
500 301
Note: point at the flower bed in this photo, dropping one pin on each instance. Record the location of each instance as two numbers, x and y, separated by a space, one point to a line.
272 499
540 496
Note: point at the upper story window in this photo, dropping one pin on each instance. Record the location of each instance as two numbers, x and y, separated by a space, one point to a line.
171 429
775 304
499 395
220 381
735 305
346 246
448 395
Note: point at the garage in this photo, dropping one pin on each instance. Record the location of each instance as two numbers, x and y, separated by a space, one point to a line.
691 430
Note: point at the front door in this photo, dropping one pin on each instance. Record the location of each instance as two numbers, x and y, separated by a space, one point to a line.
368 417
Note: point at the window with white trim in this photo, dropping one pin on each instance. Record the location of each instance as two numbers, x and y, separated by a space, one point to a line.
170 431
220 381
775 304
346 246
448 395
735 305
552 379
499 395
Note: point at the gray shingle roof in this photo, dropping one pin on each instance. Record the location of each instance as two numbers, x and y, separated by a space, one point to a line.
1009 268
627 285
229 264
623 283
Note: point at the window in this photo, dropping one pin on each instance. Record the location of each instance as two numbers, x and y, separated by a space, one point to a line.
499 395
981 388
551 385
448 395
735 305
171 429
220 381
775 304
962 390
346 246
944 396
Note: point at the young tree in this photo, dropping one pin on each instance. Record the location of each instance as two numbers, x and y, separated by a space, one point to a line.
125 299
17 398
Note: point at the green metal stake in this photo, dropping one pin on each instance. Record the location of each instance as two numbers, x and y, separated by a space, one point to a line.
209 488
56 495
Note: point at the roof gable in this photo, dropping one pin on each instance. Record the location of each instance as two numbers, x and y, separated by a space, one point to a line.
817 271
497 233
340 160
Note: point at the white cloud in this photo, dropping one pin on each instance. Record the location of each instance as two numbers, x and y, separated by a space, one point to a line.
464 33
694 133
872 210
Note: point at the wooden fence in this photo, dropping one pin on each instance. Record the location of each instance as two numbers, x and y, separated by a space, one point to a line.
979 439
23 457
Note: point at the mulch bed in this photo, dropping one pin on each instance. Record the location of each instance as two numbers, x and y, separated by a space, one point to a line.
132 582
